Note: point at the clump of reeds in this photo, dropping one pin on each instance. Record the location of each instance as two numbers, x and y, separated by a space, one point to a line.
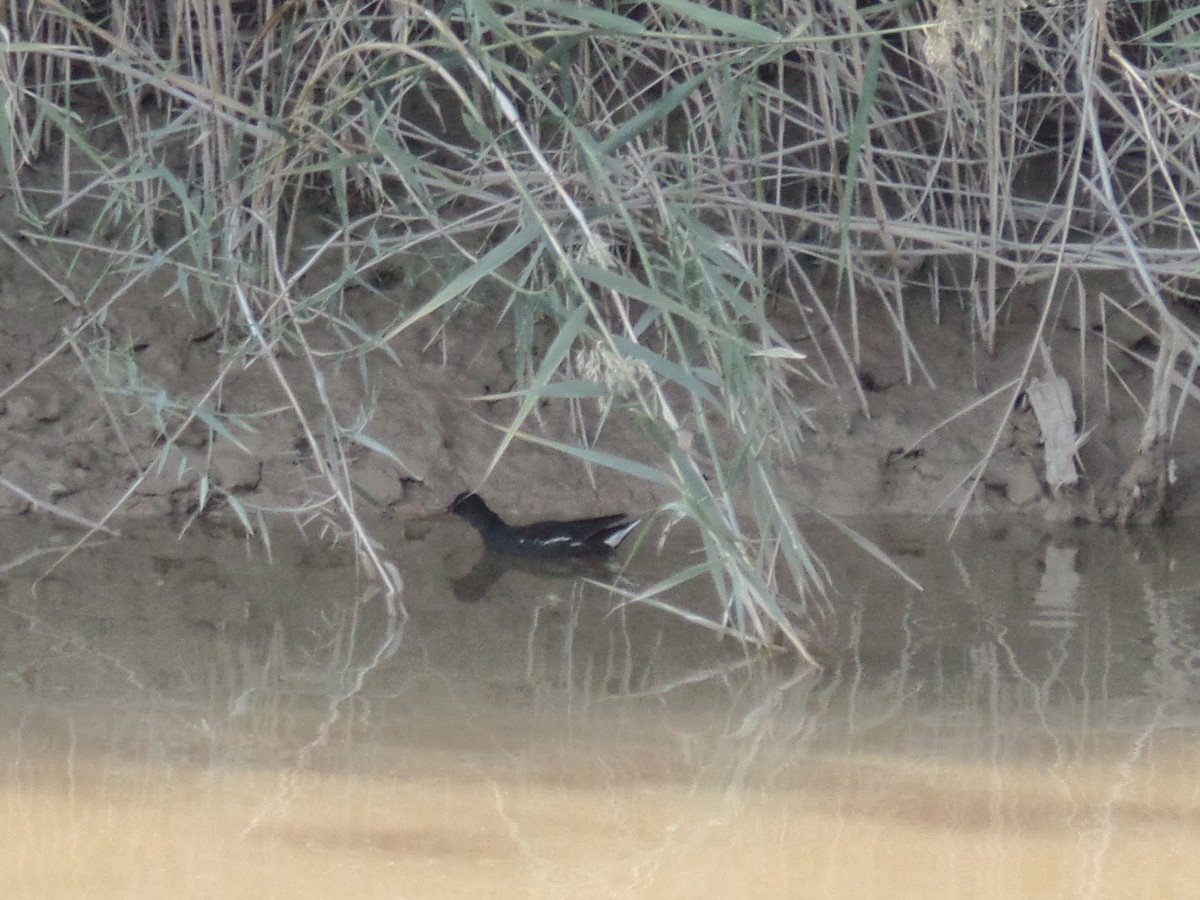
659 175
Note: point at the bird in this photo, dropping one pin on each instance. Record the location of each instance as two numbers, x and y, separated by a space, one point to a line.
545 540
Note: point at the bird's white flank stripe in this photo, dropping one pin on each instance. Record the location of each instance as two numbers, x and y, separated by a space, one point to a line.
617 536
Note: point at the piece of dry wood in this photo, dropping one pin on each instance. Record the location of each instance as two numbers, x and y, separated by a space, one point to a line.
1054 409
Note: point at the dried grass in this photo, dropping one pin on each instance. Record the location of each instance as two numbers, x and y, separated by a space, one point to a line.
659 173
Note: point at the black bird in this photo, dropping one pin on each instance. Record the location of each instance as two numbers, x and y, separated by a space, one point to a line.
546 540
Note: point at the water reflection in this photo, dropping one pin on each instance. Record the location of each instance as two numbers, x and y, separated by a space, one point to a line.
184 720
481 580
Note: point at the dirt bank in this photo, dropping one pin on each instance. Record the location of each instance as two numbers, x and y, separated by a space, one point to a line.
87 409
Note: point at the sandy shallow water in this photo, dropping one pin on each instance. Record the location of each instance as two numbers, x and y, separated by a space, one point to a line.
184 719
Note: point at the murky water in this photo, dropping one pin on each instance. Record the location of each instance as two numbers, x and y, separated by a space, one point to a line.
183 720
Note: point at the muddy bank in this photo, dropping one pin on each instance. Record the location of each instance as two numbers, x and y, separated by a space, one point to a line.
87 412
100 368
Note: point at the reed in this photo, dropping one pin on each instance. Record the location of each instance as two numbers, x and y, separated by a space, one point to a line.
653 180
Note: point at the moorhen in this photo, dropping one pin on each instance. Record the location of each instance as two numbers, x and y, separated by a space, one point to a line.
545 540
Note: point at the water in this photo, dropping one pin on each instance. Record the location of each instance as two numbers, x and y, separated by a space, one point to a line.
183 720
